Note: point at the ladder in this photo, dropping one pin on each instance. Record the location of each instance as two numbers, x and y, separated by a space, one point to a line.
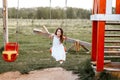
105 40
112 40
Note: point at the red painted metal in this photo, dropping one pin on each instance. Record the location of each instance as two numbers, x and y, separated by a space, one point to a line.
95 6
117 6
94 33
100 45
98 29
94 40
100 36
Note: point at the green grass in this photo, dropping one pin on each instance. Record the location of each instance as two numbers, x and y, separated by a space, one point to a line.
34 54
34 49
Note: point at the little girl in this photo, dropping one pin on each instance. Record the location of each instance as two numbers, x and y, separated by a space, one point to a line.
58 50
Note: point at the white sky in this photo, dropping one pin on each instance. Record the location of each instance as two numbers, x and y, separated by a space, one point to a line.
86 4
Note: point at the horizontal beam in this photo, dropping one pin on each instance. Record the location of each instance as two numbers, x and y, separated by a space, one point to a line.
111 56
112 69
112 30
112 47
113 23
85 45
108 69
105 17
112 41
105 61
112 35
112 52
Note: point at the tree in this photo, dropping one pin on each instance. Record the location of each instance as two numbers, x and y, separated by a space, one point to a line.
44 13
71 14
12 13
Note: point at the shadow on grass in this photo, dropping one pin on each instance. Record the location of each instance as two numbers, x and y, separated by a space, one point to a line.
1 49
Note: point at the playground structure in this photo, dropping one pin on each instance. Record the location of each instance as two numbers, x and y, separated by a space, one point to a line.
76 43
10 52
102 15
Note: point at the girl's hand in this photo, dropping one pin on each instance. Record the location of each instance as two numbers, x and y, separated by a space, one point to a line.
64 37
51 36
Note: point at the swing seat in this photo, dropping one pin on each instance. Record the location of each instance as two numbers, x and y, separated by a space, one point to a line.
10 56
11 47
11 52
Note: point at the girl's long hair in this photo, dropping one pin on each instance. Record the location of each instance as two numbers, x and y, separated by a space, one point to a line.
61 36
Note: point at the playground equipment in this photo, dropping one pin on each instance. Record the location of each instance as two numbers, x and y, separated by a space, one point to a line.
102 15
77 43
10 52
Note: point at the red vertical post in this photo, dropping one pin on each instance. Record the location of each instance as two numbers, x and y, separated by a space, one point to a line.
100 36
100 45
94 33
117 6
94 40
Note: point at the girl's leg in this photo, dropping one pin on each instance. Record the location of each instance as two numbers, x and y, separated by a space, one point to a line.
50 50
61 61
65 49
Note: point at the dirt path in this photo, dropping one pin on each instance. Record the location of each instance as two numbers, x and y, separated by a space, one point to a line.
45 74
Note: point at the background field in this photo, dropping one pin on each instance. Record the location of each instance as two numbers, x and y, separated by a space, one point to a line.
34 49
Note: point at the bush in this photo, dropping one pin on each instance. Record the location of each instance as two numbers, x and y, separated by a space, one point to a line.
85 71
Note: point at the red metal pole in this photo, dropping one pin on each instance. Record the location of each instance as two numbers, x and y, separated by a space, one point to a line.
100 36
95 7
117 6
100 45
94 33
94 40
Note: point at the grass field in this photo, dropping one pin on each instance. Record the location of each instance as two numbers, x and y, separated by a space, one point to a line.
34 49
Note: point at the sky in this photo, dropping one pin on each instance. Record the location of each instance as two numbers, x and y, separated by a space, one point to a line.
86 4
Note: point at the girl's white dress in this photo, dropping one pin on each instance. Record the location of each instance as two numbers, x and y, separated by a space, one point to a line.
58 51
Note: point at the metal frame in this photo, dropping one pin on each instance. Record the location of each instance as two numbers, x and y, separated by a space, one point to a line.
102 12
105 17
98 35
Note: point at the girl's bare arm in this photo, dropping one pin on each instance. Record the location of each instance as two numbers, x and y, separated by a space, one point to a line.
51 36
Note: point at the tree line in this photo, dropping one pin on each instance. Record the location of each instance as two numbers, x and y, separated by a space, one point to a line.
47 13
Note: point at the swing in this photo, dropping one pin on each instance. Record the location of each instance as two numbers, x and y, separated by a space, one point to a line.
50 50
10 52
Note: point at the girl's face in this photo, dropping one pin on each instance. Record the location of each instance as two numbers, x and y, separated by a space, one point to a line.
58 32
